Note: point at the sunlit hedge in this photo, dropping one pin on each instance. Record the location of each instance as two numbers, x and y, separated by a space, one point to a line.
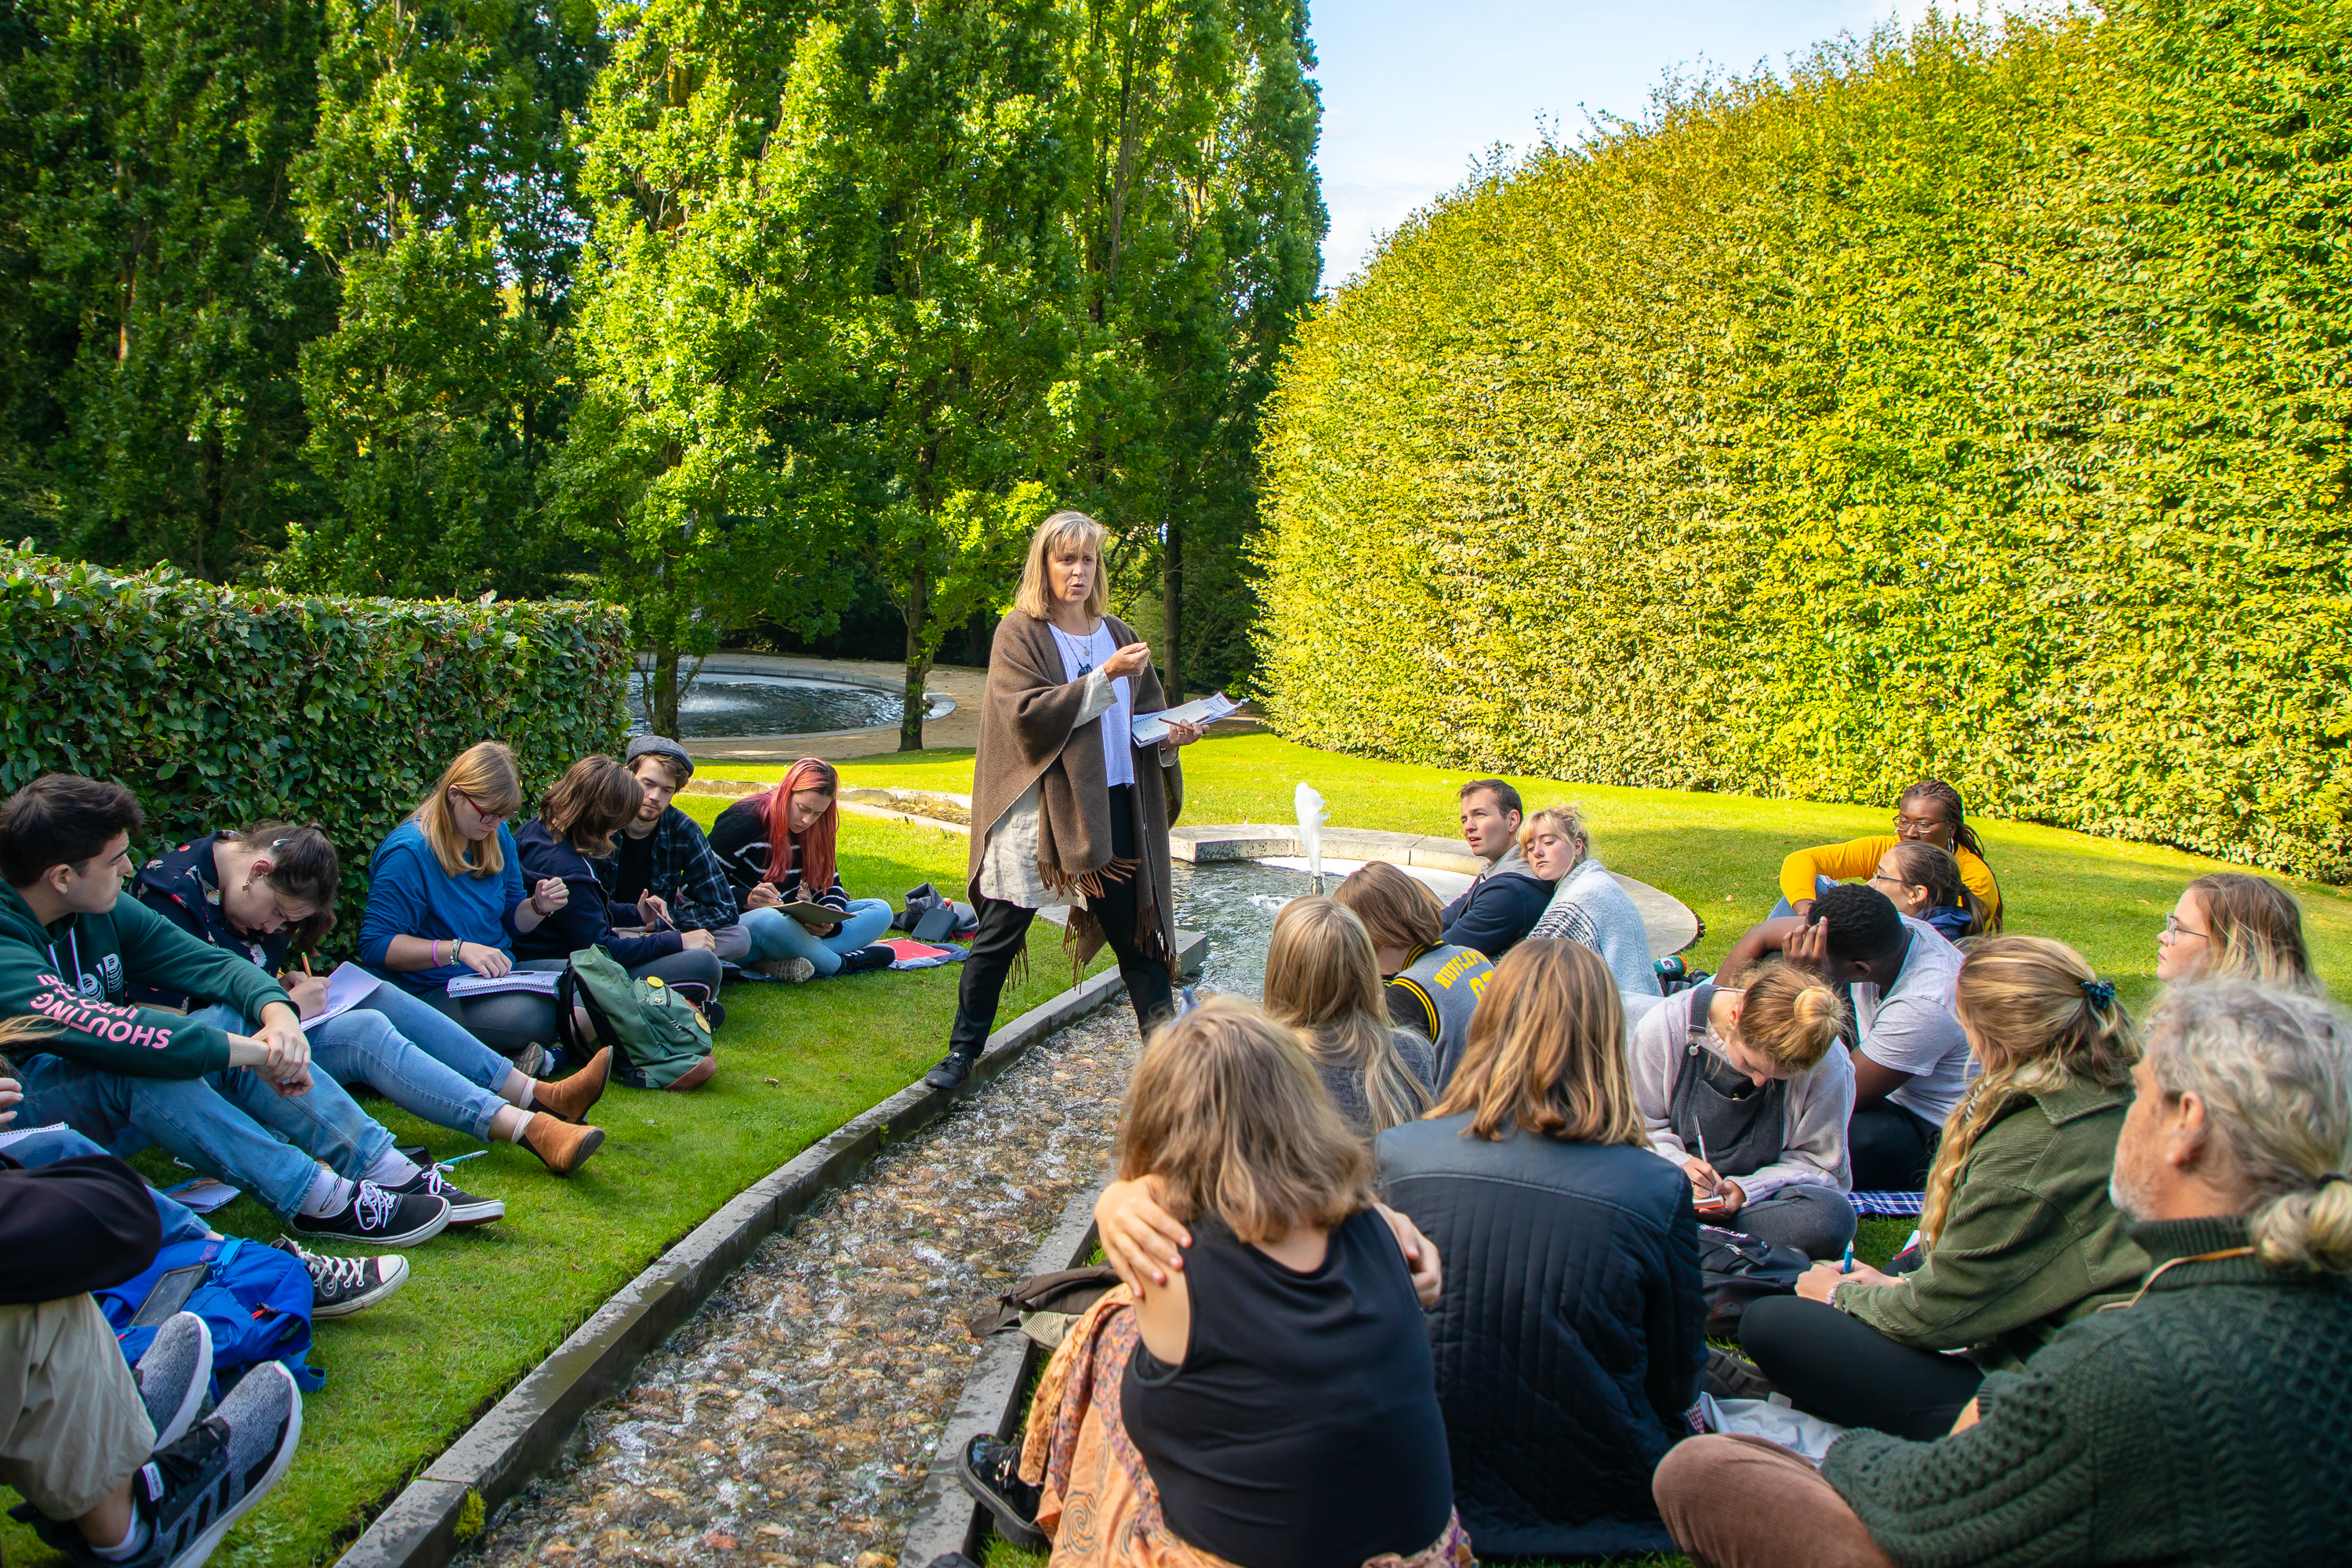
1969 403
220 706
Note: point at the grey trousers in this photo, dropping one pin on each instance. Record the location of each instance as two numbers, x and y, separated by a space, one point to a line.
1814 1219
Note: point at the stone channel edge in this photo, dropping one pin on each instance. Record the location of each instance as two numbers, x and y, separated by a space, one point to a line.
520 1435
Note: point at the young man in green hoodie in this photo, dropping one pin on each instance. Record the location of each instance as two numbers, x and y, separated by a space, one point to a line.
210 1087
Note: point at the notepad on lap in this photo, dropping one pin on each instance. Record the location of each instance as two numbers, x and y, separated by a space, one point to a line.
541 980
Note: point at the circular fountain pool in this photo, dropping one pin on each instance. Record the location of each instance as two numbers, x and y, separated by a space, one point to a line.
732 704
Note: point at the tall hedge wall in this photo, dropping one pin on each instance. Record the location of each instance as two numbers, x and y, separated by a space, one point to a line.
220 706
1970 403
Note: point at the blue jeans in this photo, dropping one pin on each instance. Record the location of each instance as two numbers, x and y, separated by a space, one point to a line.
38 1149
1820 885
233 1124
775 935
413 1055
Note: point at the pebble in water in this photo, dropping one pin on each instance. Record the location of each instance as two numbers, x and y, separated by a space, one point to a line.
791 1421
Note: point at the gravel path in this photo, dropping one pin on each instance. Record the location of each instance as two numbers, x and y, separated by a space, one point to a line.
790 1421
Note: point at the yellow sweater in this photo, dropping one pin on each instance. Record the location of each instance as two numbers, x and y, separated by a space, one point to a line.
1859 857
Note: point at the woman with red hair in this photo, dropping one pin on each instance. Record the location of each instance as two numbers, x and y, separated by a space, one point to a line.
777 850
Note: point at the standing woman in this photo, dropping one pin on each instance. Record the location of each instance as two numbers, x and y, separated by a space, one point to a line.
1066 810
446 898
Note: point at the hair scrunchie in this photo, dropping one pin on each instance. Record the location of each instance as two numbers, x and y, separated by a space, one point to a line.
2325 1178
2100 994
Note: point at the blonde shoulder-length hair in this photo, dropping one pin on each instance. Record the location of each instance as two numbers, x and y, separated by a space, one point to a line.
1226 1110
1064 533
1322 979
486 772
1546 1051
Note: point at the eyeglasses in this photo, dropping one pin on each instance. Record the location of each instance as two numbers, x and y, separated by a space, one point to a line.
483 812
2173 926
1878 876
1917 826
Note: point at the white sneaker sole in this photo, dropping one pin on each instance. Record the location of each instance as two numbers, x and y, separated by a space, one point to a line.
392 1273
202 1547
488 1212
423 1233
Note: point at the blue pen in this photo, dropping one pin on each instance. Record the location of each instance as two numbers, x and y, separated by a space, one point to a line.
1847 1266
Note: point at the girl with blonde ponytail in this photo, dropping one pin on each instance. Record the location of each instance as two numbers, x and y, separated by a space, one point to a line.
1322 979
1748 1091
2019 1236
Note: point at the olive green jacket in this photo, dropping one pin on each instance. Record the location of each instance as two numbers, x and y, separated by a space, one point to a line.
2030 1241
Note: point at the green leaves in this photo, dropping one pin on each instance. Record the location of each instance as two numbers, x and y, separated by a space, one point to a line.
220 706
1970 403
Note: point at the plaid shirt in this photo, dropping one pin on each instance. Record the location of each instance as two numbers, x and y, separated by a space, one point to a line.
685 875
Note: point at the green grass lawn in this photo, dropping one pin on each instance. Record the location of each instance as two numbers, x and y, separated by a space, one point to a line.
1719 854
483 1307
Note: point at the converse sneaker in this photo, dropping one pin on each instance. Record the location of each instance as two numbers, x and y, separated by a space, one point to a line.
792 969
466 1210
175 1375
379 1218
341 1286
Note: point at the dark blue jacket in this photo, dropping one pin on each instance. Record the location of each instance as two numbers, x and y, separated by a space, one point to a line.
1569 1338
184 887
586 921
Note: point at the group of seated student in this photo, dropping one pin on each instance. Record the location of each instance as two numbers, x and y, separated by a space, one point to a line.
2125 1317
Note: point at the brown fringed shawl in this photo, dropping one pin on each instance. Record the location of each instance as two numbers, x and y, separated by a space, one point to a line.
1029 735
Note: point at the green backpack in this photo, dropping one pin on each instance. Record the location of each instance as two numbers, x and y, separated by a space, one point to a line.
656 1034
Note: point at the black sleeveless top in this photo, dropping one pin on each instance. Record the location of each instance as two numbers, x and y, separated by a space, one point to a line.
1302 1430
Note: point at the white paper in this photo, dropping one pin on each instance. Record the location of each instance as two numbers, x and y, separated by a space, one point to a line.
346 987
15 1133
1152 728
541 980
1808 1436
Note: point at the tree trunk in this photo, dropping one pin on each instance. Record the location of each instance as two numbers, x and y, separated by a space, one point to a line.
918 665
1171 612
662 697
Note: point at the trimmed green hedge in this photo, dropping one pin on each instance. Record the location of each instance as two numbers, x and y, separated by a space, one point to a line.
221 706
1970 403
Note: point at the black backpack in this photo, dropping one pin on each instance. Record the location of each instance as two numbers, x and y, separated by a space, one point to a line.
1735 1269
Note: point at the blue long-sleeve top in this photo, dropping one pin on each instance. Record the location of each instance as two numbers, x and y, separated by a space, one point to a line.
410 895
587 919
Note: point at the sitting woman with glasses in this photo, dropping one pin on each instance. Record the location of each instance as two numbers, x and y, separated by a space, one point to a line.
2243 927
1924 883
268 891
1930 812
446 899
2020 1235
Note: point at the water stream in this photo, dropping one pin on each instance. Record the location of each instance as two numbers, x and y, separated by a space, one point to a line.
789 1423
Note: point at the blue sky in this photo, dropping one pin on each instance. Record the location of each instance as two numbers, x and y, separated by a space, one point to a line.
1414 89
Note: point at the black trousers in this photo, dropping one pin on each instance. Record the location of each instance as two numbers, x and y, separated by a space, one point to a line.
1004 928
1843 1370
1891 1148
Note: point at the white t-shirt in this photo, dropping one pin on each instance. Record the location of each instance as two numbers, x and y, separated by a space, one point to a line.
1080 655
1913 1028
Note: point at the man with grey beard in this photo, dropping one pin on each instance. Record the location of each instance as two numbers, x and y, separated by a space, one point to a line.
2208 1419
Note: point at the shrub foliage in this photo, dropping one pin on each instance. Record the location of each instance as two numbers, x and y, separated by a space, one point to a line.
223 706
1971 402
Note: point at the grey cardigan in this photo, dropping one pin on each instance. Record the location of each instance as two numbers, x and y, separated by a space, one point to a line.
1589 908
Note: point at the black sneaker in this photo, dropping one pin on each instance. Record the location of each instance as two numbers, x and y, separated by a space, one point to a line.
376 1217
1727 1376
466 1210
990 1471
341 1286
189 1492
862 960
951 1071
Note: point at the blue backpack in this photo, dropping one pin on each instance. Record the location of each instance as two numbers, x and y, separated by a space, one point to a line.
255 1299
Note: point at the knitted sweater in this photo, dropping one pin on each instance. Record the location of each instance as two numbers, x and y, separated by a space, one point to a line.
2210 1423
1588 906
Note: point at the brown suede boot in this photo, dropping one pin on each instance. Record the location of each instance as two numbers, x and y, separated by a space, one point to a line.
571 1098
563 1147
696 1076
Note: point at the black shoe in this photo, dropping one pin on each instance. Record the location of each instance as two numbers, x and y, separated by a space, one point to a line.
466 1210
1727 1376
341 1286
859 960
376 1217
951 1071
714 1012
990 1471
